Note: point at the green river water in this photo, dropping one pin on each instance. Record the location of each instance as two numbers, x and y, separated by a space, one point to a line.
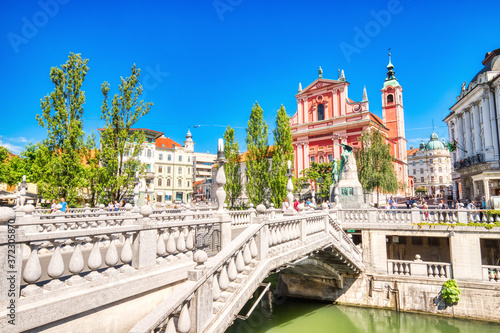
312 317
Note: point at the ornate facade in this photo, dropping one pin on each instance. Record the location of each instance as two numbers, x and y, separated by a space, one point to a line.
474 134
326 117
430 167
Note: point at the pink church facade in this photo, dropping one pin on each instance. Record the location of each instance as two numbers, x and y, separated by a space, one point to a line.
326 117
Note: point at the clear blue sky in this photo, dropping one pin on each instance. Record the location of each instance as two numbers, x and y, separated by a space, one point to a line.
207 62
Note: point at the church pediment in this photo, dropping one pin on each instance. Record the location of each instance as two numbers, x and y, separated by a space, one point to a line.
320 84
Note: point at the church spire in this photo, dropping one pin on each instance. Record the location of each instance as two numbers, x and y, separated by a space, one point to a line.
300 86
391 75
342 76
365 95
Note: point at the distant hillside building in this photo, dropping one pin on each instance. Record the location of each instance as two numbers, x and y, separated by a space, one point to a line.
430 166
326 117
474 133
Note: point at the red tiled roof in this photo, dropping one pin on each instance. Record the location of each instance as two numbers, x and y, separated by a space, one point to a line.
166 143
269 155
199 182
411 152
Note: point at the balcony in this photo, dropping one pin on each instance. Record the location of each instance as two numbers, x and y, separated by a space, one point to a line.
150 175
471 160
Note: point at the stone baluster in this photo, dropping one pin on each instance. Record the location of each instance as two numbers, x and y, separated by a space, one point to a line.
220 177
160 245
56 267
112 257
184 322
181 243
32 271
223 278
126 255
190 239
215 288
76 263
232 273
95 260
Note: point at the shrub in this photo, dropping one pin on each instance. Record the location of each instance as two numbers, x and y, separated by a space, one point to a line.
450 292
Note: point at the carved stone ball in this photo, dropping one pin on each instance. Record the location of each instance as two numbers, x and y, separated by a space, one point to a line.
6 214
200 257
261 209
128 207
272 205
29 209
101 206
188 206
251 205
324 205
224 205
146 210
58 206
418 257
301 207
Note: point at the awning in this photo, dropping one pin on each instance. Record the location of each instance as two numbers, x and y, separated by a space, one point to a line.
159 193
168 192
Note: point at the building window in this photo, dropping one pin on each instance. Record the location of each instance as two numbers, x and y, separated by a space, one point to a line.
413 163
421 170
432 179
160 169
148 167
168 182
189 171
330 158
432 169
430 161
321 112
414 171
159 181
160 157
421 179
148 152
390 99
421 162
440 169
169 157
179 183
189 183
439 160
441 179
179 171
312 158
180 158
189 159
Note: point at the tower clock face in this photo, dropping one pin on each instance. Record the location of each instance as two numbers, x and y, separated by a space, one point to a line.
356 108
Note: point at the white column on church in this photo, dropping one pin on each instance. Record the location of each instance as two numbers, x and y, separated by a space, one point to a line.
468 133
477 129
494 127
486 186
459 137
305 112
300 110
488 144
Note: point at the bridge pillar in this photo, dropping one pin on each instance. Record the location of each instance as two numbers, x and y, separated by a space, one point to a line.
225 230
10 261
374 251
145 242
465 251
201 305
262 240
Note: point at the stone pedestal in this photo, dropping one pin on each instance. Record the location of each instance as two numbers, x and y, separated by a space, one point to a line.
349 189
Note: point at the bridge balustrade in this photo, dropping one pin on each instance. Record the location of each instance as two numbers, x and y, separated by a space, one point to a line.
219 286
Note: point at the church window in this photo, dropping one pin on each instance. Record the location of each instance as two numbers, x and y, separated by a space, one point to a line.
321 112
330 158
390 99
312 158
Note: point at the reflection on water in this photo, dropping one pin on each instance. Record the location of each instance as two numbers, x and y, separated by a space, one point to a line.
311 317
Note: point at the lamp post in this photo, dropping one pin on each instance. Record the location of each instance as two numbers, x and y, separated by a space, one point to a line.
136 189
289 188
220 178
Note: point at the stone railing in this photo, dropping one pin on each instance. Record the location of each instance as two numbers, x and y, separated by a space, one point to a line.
419 268
412 216
241 218
221 285
69 258
491 273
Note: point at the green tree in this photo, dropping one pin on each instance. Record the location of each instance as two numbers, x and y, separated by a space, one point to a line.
375 164
256 160
233 186
321 174
4 154
92 170
59 171
121 146
282 152
11 167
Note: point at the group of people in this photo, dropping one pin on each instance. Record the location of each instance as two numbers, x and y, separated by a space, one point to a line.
115 206
54 208
296 203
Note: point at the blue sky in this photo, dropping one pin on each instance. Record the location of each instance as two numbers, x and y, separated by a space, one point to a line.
206 62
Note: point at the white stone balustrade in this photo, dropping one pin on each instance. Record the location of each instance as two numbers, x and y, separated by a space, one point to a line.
419 268
491 273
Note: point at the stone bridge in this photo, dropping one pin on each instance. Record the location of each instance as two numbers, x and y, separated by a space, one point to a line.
185 270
